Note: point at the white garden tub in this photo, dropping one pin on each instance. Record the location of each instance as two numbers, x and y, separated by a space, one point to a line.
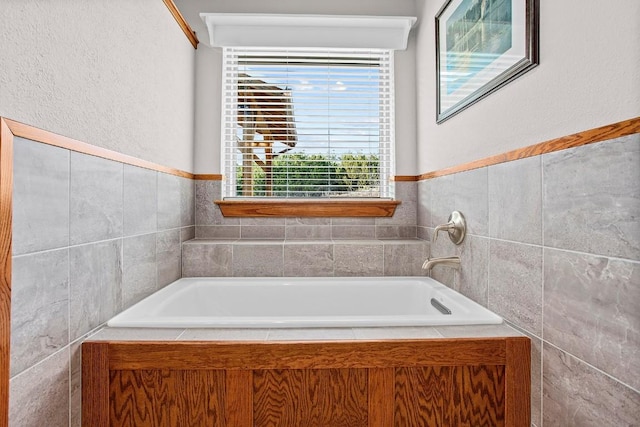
304 302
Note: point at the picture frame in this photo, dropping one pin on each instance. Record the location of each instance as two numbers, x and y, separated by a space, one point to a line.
481 45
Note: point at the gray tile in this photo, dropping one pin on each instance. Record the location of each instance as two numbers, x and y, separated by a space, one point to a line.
576 395
140 200
443 199
203 259
536 380
311 334
169 201
515 201
403 258
472 280
39 307
473 331
592 310
75 386
169 257
138 268
262 231
515 284
592 198
258 259
187 233
96 199
350 232
307 221
263 221
423 233
136 334
406 212
308 259
95 285
397 333
358 221
396 232
40 396
187 202
40 197
472 199
224 335
307 232
423 205
358 259
207 212
217 231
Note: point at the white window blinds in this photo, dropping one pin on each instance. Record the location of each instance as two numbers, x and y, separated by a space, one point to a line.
307 123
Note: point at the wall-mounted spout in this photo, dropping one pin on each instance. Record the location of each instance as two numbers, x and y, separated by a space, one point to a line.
448 261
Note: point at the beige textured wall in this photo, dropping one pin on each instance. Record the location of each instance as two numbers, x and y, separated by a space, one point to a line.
589 76
118 74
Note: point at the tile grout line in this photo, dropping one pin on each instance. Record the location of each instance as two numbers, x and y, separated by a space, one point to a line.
542 239
68 289
595 368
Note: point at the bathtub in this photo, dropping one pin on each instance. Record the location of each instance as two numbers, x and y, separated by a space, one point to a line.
304 302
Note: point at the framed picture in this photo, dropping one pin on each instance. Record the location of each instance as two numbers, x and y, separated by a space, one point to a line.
481 45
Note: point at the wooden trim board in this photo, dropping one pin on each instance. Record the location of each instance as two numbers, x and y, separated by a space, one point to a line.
184 25
46 137
243 391
6 208
603 133
318 208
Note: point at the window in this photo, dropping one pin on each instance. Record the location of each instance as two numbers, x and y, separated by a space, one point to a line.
307 123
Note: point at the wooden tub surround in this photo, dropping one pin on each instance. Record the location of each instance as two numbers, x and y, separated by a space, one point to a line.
430 382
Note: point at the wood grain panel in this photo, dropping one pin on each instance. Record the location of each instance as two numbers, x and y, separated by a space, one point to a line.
95 377
162 398
305 355
239 398
310 398
478 396
50 138
6 206
319 208
422 396
139 398
199 400
184 25
603 133
518 383
381 397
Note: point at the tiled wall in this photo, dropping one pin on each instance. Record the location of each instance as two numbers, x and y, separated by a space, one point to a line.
247 247
90 238
554 247
210 224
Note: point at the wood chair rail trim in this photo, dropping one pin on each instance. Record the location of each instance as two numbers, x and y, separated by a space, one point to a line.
184 25
50 138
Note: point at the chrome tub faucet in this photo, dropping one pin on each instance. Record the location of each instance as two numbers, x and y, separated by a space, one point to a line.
447 261
456 227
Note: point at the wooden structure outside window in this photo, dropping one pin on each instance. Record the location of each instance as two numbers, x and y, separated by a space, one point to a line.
267 111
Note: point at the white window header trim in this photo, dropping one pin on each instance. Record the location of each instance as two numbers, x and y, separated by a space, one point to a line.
323 31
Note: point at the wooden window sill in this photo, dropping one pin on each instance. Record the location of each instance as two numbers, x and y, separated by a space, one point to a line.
308 208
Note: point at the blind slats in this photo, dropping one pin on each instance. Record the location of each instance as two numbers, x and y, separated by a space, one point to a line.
307 123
